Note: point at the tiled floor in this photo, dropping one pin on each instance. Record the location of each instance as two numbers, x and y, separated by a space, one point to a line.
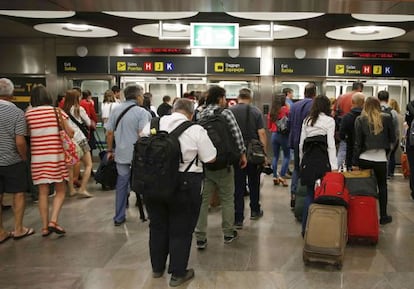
96 255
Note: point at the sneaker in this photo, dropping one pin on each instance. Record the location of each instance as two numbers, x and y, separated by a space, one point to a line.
238 225
229 239
201 244
117 224
157 274
177 281
256 215
385 220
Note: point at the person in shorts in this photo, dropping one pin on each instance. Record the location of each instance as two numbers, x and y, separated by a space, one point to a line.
13 154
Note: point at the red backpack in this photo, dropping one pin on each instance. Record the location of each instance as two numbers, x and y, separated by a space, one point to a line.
332 190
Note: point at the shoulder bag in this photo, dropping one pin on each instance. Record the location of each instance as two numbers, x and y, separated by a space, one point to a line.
69 147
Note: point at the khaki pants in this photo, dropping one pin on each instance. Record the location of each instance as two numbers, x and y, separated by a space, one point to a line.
222 181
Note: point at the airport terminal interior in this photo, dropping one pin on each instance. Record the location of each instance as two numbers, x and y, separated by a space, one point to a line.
320 48
94 254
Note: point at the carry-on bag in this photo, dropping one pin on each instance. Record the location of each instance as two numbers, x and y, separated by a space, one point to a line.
405 168
361 183
332 190
325 235
363 219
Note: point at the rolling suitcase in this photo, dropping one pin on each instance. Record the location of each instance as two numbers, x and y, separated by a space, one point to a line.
332 190
361 183
363 219
325 235
405 168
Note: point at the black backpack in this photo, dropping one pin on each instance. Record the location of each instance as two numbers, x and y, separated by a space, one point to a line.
220 135
106 174
156 162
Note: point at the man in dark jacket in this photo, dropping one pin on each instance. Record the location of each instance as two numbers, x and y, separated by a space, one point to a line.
165 107
346 130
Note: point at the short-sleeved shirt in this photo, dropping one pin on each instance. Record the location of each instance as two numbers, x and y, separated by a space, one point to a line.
194 141
12 123
128 129
249 130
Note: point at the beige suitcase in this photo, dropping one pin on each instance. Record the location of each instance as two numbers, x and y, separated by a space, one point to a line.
325 235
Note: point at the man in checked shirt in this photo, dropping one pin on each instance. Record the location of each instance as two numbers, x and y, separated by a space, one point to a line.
222 179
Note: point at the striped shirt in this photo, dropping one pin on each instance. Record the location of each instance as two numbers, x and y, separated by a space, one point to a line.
48 160
231 120
12 123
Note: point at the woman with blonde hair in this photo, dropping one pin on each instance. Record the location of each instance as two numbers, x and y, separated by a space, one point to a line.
108 104
374 134
47 157
80 122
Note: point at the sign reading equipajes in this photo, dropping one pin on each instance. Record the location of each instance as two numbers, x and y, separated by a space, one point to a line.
305 67
89 64
371 68
165 65
228 65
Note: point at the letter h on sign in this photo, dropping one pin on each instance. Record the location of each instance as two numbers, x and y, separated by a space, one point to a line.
147 66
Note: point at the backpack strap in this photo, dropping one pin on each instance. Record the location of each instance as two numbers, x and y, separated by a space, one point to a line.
177 132
155 125
122 115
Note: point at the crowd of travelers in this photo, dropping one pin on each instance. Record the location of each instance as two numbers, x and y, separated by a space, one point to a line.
357 131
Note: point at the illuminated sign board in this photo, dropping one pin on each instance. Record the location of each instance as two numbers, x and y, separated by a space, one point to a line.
370 68
89 64
150 50
214 35
164 65
228 65
383 55
295 67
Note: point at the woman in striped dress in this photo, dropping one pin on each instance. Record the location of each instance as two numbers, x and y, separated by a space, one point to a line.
48 160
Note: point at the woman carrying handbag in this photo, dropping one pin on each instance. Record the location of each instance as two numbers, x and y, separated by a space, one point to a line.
47 156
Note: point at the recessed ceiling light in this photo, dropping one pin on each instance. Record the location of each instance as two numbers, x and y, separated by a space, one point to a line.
364 33
77 27
266 28
37 13
365 30
274 16
384 17
159 15
172 27
75 30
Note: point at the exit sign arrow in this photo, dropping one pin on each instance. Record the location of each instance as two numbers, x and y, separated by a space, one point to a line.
215 35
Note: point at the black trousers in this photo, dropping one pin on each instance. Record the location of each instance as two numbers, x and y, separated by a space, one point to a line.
380 171
172 225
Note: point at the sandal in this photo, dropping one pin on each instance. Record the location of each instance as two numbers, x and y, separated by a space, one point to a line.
55 228
45 232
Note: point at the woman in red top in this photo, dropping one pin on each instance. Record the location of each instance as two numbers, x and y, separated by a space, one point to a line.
279 113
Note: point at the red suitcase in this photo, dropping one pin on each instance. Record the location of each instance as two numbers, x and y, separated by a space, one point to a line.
363 219
332 190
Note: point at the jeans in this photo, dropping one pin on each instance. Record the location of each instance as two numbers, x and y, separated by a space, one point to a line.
380 171
308 202
172 225
280 141
222 181
341 157
121 191
252 172
296 171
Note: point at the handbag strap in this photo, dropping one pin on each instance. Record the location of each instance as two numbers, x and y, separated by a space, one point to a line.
58 118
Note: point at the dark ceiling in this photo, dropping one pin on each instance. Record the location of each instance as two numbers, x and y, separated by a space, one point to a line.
88 12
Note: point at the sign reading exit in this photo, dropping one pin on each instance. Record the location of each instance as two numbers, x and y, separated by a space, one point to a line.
215 35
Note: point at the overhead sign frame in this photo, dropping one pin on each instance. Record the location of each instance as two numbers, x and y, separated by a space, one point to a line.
214 35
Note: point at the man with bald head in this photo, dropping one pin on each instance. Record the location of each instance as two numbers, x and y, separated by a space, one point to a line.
346 130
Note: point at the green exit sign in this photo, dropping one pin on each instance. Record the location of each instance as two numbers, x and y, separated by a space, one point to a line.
215 35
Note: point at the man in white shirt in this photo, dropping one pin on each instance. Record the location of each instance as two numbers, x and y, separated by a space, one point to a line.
172 222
